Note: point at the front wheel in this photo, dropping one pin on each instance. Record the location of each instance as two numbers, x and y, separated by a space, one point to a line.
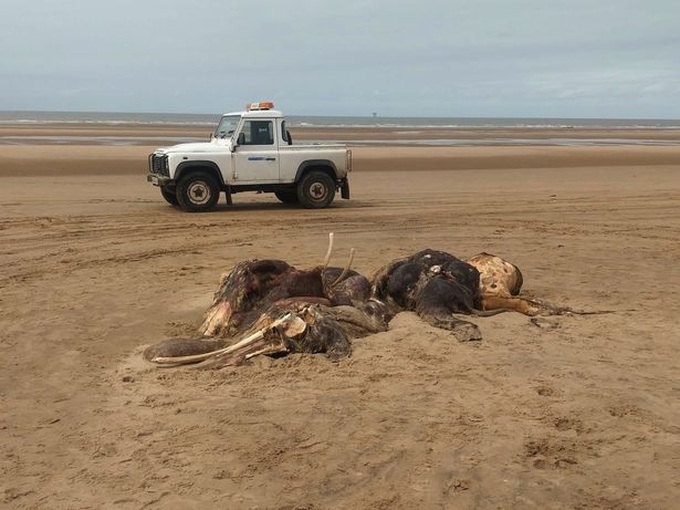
316 190
170 196
198 192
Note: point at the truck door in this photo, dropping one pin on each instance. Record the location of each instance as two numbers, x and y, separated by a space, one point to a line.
256 157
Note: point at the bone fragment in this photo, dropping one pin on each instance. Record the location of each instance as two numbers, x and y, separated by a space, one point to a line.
348 266
294 327
182 360
216 316
327 260
273 341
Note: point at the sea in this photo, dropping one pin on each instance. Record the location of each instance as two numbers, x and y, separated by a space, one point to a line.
405 125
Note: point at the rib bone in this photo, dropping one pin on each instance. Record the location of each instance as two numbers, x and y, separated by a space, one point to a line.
348 266
327 260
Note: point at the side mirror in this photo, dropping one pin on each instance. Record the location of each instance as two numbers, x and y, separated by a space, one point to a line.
241 140
212 135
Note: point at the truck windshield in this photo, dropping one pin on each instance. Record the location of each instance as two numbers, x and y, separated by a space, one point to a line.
227 126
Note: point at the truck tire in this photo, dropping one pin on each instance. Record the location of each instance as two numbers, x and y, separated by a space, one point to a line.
287 197
316 190
198 192
169 195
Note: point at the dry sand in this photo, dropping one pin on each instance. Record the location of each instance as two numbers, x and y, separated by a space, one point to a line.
583 412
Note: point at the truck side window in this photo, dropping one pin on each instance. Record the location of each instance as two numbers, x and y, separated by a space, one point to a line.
258 132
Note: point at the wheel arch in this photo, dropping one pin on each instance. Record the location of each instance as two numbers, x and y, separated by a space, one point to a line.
321 165
210 167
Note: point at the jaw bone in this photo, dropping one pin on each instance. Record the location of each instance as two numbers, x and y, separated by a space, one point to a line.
272 338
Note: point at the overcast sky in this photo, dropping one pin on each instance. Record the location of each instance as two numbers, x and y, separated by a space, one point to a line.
449 58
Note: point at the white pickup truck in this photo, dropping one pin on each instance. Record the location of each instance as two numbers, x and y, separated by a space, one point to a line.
250 151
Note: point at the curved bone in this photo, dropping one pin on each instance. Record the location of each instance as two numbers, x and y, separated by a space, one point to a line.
348 266
327 259
195 358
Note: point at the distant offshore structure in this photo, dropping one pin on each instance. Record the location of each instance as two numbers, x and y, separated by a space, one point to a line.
375 114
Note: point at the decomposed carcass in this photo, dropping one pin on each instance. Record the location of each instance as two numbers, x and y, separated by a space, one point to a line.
437 286
272 307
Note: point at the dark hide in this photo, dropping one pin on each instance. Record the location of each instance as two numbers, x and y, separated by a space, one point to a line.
254 285
435 285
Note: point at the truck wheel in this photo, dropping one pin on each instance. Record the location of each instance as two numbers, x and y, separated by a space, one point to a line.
316 190
170 196
287 197
198 192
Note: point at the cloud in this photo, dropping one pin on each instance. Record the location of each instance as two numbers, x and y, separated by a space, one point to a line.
431 57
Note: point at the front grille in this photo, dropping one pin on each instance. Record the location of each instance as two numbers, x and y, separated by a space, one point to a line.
158 164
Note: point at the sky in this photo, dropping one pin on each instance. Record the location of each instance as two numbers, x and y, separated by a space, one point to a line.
420 58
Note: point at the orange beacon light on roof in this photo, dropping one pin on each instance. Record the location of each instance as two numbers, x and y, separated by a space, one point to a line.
262 105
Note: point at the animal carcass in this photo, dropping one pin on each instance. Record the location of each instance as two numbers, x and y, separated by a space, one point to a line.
274 307
270 307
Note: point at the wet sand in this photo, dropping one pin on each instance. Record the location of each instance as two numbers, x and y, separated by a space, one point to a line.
581 412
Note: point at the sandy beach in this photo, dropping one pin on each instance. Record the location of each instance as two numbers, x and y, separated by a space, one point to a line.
582 412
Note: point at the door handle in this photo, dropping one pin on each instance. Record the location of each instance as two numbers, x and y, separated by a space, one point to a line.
270 159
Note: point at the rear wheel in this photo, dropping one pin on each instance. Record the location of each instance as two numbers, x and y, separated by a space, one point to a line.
198 192
316 190
170 196
287 197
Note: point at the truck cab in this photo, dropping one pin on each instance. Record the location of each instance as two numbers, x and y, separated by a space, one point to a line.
250 150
